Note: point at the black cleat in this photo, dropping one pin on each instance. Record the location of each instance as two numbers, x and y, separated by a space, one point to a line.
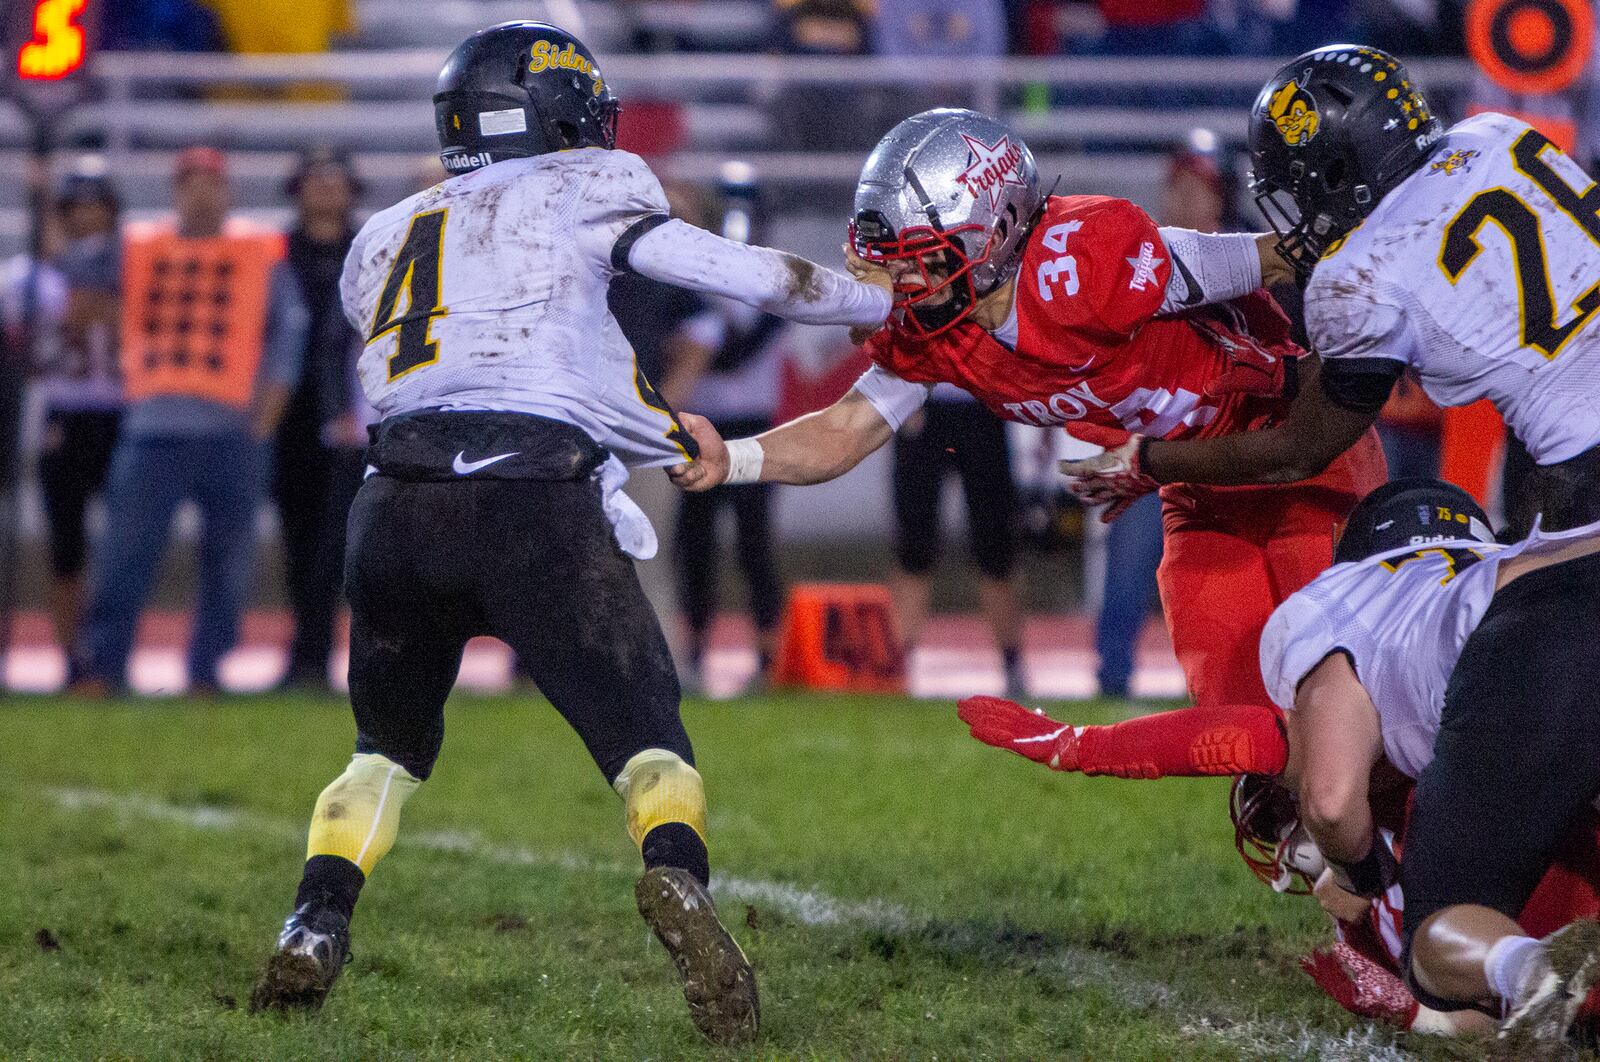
1554 991
312 949
718 982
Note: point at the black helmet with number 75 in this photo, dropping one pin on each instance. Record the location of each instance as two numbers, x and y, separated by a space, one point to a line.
520 89
1333 132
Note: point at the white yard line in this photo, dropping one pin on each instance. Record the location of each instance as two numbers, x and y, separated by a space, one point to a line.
1083 967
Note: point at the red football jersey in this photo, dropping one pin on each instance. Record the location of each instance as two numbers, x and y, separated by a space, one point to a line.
1090 349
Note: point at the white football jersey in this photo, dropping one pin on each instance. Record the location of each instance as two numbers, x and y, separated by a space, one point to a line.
488 291
1481 271
1403 616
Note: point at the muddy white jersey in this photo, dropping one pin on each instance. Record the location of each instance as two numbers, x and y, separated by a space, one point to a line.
488 291
1481 271
1403 617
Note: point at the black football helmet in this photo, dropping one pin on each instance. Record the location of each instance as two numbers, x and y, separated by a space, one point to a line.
1334 131
520 89
1407 512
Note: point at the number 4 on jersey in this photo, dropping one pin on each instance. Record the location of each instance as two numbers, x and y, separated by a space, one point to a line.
416 272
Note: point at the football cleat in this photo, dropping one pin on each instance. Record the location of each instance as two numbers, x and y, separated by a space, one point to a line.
718 983
312 950
1551 993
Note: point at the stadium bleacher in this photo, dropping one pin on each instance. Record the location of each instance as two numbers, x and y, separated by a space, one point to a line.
1095 109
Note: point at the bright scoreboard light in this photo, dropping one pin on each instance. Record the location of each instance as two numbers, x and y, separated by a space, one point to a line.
56 48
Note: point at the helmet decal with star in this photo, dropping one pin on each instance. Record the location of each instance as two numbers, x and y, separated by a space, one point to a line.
993 166
1294 111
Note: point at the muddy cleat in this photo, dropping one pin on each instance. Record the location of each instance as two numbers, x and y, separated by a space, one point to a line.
1552 993
718 982
312 949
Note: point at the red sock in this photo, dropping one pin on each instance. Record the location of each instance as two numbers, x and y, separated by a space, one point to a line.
1223 739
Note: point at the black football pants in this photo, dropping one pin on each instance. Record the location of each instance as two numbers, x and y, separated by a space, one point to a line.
534 563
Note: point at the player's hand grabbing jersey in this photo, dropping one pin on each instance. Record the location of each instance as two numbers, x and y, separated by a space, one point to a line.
488 291
1482 272
1095 345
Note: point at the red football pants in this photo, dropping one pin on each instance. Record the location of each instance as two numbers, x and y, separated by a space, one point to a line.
1233 554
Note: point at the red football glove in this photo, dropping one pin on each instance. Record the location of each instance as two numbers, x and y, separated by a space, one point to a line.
1252 368
1114 479
1361 986
1027 732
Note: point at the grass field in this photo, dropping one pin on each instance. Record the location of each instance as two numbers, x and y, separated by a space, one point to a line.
903 892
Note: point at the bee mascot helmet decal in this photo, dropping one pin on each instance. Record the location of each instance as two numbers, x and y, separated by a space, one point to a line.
1295 113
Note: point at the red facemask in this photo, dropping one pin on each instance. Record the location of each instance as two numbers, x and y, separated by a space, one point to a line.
951 270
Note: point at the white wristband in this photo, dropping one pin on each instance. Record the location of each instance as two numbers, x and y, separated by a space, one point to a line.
745 457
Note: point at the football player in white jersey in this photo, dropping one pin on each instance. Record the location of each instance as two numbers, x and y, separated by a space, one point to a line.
1471 256
1470 667
512 407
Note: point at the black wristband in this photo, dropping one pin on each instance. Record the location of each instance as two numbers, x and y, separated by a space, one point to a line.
1369 876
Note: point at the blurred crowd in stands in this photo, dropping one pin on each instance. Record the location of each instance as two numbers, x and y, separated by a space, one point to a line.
950 28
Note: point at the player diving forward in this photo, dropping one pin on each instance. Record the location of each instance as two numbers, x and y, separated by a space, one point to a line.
1078 311
1471 256
511 405
1428 646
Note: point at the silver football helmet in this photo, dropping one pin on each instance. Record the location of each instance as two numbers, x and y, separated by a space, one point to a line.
956 193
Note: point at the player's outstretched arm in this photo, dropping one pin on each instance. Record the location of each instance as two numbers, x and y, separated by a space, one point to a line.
1218 267
1317 430
810 449
675 252
1215 740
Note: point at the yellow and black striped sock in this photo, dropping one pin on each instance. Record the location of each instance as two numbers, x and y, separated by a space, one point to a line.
666 806
354 825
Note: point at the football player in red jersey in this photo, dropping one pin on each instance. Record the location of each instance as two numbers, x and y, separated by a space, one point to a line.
1078 311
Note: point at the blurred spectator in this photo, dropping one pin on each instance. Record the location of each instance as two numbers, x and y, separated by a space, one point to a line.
78 384
948 29
651 315
301 26
726 368
1195 195
33 300
954 433
322 438
813 117
1157 27
212 335
823 27
160 25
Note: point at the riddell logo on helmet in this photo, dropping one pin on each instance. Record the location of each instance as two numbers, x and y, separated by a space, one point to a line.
466 162
1294 112
993 167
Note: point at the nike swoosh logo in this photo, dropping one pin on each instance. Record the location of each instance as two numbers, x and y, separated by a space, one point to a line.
463 467
1192 292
